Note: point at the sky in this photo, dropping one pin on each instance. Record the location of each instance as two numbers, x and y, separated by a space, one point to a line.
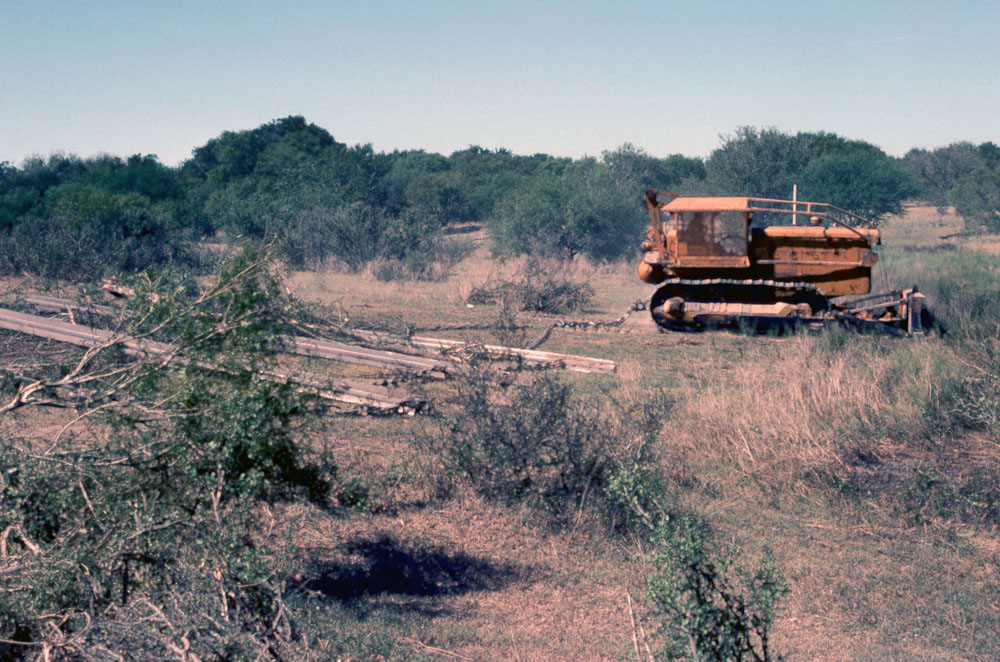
561 78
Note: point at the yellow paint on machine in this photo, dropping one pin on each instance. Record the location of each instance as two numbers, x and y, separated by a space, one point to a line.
707 238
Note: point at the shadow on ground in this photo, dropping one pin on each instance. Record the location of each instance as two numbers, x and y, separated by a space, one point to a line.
388 567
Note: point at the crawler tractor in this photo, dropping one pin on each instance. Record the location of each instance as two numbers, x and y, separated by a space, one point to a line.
715 267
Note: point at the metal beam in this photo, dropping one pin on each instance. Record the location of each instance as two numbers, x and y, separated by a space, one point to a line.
529 356
351 392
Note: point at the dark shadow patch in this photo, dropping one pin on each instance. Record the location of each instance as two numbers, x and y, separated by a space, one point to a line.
462 228
388 567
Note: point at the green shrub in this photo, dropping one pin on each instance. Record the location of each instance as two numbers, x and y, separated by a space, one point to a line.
90 234
353 234
427 258
529 442
408 246
160 540
708 606
531 439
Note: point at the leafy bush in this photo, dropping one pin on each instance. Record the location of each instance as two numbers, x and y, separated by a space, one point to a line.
429 257
523 442
709 607
531 439
90 234
354 234
160 539
568 209
409 246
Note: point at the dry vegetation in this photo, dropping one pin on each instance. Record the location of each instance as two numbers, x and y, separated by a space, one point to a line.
835 450
869 466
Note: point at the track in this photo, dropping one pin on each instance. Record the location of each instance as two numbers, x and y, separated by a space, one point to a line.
746 293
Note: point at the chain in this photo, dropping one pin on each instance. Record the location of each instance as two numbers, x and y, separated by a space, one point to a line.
586 324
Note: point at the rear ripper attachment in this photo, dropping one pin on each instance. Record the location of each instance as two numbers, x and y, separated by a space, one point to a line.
714 269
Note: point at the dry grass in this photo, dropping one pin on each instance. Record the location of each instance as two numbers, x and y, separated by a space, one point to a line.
793 404
808 444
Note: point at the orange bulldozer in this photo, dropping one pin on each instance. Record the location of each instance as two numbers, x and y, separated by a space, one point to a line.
717 266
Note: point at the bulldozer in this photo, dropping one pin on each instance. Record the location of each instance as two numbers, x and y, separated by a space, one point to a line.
728 262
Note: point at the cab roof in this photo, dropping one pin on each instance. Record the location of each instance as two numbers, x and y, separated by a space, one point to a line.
708 204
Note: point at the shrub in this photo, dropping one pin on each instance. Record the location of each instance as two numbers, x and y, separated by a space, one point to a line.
408 246
709 607
428 258
505 325
529 442
353 234
534 288
160 539
531 439
90 234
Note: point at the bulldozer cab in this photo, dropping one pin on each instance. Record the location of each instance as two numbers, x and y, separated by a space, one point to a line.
707 231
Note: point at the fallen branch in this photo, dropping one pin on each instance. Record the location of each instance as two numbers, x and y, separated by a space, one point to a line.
315 347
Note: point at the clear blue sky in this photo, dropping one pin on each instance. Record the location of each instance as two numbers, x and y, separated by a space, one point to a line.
565 78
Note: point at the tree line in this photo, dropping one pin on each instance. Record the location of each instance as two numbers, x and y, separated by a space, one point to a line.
290 182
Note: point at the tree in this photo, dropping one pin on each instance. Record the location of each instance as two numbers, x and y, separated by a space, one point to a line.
963 175
253 183
138 174
826 144
439 197
487 176
864 182
403 168
989 152
977 198
568 208
851 174
939 171
26 190
762 163
636 171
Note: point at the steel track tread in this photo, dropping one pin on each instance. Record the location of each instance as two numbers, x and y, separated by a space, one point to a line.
677 325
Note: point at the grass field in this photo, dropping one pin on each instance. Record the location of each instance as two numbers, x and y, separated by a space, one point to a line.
869 465
840 452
